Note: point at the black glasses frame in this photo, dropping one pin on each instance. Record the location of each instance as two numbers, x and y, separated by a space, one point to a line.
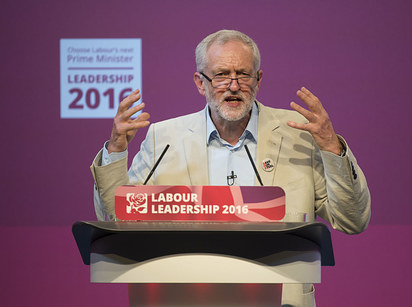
231 79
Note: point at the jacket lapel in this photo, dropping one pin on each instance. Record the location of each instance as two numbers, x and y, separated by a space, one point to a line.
195 150
268 144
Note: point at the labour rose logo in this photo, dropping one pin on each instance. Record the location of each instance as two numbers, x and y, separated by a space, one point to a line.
137 203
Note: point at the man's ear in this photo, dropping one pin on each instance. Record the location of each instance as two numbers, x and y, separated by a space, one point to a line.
199 83
260 74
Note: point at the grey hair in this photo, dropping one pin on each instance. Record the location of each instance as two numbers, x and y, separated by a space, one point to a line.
222 37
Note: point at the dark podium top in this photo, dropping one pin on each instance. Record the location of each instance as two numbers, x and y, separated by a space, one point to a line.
145 240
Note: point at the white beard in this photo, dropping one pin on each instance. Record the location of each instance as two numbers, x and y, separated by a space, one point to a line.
221 109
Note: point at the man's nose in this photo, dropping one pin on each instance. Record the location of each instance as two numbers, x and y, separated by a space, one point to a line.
234 85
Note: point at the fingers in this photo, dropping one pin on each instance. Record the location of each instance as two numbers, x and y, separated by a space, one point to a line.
126 103
140 121
319 124
295 125
123 121
306 113
143 117
124 127
125 109
133 110
312 115
316 109
310 100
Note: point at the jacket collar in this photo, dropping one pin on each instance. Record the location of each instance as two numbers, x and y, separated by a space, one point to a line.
268 146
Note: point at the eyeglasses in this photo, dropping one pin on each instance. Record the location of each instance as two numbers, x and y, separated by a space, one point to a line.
245 82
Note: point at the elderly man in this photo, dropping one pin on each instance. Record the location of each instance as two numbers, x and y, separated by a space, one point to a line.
307 159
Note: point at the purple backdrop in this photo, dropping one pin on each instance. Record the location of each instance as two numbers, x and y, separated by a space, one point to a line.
354 55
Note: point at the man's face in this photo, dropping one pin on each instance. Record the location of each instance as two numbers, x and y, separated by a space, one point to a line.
233 59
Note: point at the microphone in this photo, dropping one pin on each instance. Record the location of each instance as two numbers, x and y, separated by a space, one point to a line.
254 166
156 164
231 179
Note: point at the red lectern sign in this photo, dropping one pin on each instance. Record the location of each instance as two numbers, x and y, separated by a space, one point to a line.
200 203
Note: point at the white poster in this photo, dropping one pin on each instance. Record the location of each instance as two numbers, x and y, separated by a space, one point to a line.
96 74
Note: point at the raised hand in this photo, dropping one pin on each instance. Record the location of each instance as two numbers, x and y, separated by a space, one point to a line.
124 127
319 124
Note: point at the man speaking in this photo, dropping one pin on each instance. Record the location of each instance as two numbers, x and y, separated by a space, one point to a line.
296 150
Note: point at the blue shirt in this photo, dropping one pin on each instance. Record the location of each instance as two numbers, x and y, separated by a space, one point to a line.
223 158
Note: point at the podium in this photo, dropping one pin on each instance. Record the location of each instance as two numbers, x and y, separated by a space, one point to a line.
204 263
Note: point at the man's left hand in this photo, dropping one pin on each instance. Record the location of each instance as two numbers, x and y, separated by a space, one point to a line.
319 124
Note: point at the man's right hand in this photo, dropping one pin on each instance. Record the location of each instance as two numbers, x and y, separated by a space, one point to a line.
124 127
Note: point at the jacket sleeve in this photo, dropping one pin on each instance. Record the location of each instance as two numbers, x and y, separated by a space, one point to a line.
108 177
344 200
106 180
